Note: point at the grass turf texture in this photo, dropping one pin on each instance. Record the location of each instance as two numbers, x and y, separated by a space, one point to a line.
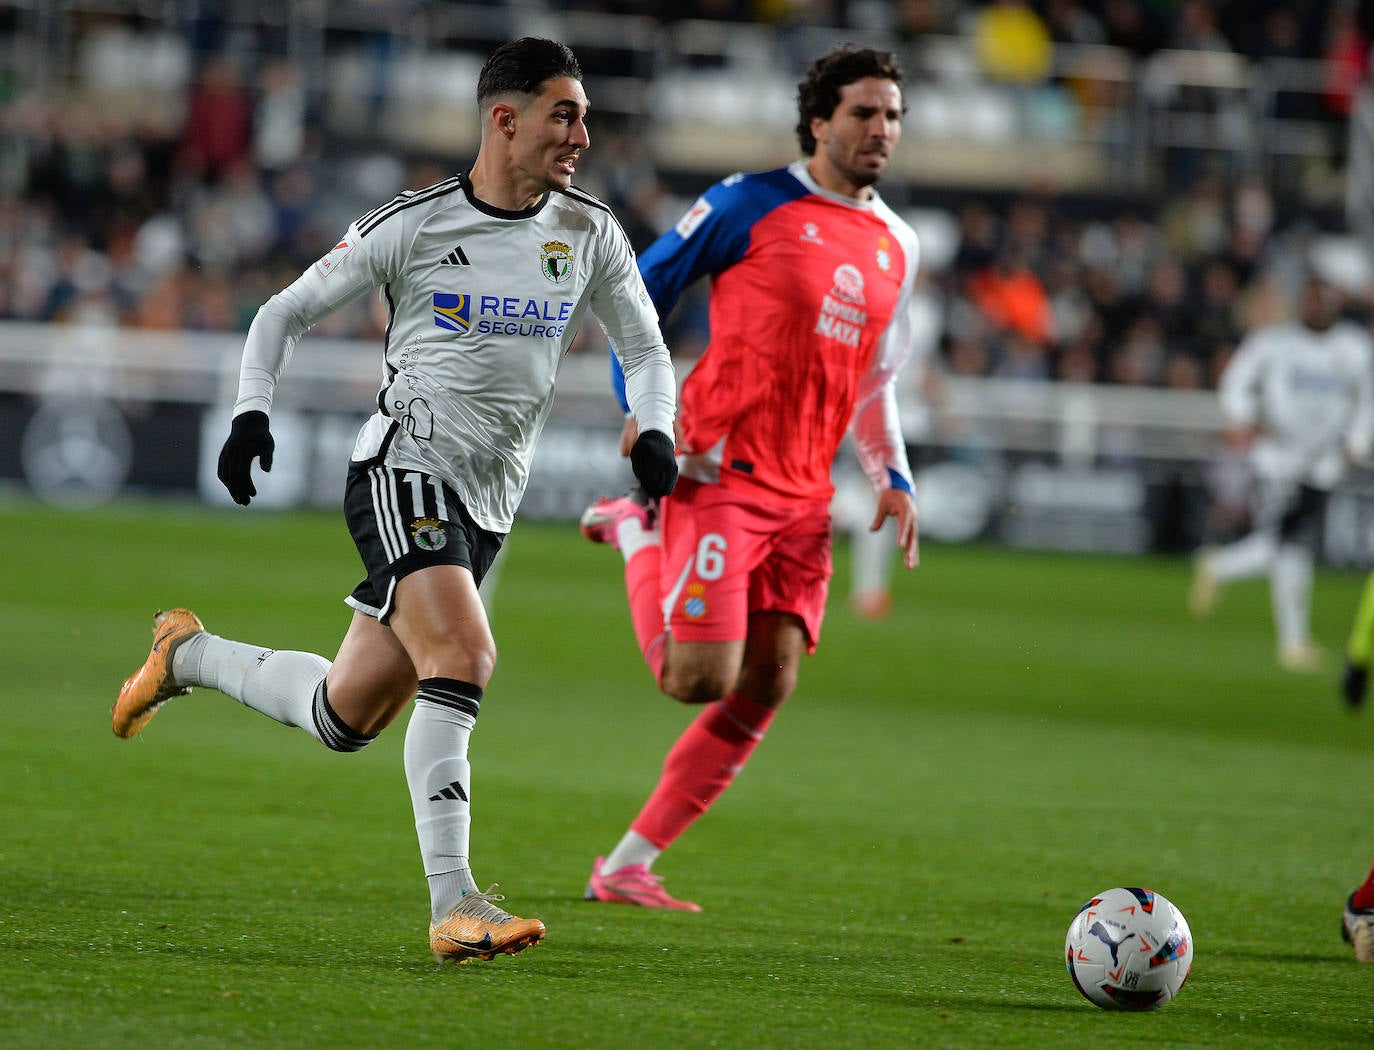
897 867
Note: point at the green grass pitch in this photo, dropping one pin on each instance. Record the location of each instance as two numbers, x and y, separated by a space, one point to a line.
896 868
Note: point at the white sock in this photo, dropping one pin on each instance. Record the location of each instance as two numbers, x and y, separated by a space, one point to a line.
632 537
634 848
1252 555
871 557
282 684
1291 594
440 780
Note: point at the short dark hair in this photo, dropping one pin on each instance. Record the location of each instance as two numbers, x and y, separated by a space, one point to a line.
819 93
522 66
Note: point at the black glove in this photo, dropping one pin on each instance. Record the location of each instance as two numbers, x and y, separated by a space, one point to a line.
654 464
249 439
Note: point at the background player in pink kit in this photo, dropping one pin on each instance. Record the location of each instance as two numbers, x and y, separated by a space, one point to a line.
811 282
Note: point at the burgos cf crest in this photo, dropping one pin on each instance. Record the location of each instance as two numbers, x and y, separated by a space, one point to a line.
429 534
451 310
556 262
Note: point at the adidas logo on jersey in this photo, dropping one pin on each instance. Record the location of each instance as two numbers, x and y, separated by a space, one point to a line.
455 258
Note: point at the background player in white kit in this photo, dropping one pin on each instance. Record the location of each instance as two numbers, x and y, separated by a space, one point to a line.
1300 396
485 277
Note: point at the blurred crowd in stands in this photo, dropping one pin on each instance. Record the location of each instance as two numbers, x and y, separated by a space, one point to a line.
1035 292
109 218
1250 27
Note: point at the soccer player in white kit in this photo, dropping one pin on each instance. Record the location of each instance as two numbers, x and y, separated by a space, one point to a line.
486 277
1300 396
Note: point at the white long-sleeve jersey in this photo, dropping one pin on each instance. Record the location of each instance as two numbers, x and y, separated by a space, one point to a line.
1311 393
482 304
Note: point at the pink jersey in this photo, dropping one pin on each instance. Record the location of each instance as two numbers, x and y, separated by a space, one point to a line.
810 316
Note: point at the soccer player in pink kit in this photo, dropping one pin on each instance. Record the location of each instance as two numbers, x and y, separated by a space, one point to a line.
811 283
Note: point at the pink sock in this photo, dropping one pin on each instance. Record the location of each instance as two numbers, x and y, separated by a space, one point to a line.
646 610
1364 896
701 765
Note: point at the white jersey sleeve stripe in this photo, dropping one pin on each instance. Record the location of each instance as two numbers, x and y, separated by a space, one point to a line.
409 199
583 197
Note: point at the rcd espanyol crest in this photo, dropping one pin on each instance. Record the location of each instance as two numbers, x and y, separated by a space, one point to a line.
556 262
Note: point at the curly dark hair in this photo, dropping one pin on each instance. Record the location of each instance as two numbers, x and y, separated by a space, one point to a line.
522 66
819 93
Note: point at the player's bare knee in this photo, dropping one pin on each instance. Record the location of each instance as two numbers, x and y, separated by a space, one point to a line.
484 665
695 687
768 683
477 666
474 664
774 693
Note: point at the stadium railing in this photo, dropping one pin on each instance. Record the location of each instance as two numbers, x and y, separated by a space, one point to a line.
92 414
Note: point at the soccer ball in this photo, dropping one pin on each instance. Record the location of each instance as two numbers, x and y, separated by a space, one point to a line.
1129 949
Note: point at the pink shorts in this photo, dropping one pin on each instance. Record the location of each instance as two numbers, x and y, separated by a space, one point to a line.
725 557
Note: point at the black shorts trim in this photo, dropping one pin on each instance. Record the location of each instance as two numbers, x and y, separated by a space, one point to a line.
1303 517
402 520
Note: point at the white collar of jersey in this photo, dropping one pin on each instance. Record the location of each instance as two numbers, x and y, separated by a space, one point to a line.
799 171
